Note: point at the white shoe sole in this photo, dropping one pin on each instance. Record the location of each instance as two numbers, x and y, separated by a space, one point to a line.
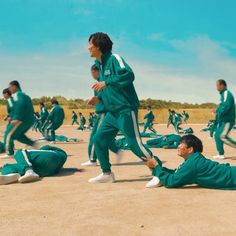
28 179
9 179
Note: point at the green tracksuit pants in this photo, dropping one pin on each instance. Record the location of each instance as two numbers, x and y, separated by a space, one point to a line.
91 150
74 121
16 132
149 125
47 161
127 123
222 136
177 126
50 129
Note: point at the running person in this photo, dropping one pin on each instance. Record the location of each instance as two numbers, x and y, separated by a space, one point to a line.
225 119
186 116
82 122
9 103
22 119
101 112
170 118
54 121
74 118
149 121
118 95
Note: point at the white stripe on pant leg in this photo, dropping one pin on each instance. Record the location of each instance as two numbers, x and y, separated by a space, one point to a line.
99 123
9 135
26 157
224 135
138 139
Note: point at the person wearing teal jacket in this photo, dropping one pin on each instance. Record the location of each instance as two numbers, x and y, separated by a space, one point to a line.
170 118
177 121
43 114
196 169
22 119
169 141
9 103
186 116
54 121
101 112
74 118
225 116
32 164
149 121
117 93
82 122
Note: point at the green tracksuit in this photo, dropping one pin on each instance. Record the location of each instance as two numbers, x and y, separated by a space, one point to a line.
211 126
54 121
198 170
170 120
225 121
2 147
149 122
121 103
74 119
82 123
91 122
47 161
177 122
43 115
9 105
186 116
170 141
22 111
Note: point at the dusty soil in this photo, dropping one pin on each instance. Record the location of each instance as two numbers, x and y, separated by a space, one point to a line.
68 205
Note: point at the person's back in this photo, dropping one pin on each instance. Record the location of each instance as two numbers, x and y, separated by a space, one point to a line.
22 107
57 115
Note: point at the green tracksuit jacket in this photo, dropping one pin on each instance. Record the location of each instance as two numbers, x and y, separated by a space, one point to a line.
226 109
56 116
120 94
198 170
43 115
150 117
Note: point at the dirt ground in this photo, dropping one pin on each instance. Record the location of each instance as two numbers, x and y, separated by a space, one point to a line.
68 205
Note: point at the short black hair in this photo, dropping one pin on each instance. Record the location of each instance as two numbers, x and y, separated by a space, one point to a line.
6 90
101 40
192 141
222 81
54 101
15 83
149 107
42 104
94 67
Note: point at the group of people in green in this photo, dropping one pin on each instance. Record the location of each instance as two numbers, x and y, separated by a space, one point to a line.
116 104
91 120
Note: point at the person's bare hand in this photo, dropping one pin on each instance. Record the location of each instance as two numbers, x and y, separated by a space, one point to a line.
151 162
93 101
15 122
99 86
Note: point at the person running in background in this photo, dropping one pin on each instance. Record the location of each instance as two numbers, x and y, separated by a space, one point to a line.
82 122
74 118
54 121
32 164
117 93
196 169
101 112
37 124
225 118
186 116
170 118
91 120
43 114
22 119
177 121
149 121
9 103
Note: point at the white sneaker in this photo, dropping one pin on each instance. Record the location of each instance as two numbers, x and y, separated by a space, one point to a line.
219 157
52 142
8 179
154 182
119 156
29 176
89 163
6 156
103 178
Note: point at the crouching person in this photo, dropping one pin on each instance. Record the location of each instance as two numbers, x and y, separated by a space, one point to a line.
33 164
196 169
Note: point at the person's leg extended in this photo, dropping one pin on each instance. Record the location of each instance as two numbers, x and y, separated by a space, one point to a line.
219 142
103 138
225 135
128 124
22 137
